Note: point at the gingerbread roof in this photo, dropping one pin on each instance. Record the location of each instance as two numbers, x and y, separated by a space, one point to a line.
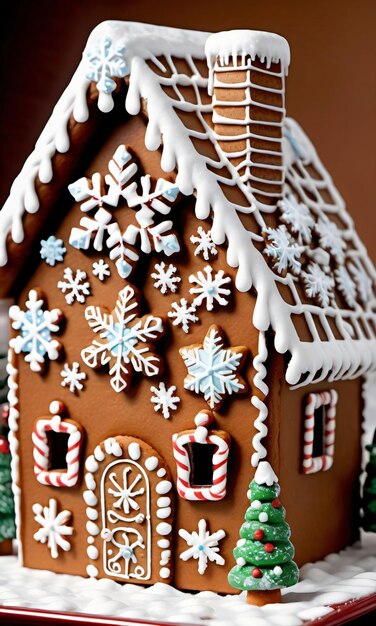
254 173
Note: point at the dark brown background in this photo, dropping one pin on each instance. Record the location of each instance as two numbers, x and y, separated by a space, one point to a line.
331 89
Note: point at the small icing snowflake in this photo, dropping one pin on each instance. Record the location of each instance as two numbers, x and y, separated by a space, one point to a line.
164 399
101 269
209 288
126 340
36 326
72 377
298 216
283 250
125 494
103 62
318 284
213 370
346 285
205 243
183 314
331 238
53 527
164 277
52 250
73 286
203 546
363 282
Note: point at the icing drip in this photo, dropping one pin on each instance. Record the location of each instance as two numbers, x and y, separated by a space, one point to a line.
260 384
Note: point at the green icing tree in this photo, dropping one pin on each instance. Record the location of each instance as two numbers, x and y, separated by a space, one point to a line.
7 525
264 554
369 490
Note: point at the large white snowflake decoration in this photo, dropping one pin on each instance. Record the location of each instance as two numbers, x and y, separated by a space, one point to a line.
73 286
318 284
125 495
331 238
103 62
72 377
209 289
52 250
53 527
363 282
183 314
203 546
154 201
164 277
298 216
213 370
346 285
35 326
125 340
205 243
283 250
164 400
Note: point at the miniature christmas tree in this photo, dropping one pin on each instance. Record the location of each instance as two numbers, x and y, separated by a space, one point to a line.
264 553
369 491
7 525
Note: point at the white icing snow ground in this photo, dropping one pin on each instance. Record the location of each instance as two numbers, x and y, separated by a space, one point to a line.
339 578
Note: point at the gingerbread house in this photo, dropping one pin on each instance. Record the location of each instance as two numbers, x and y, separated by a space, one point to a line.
191 300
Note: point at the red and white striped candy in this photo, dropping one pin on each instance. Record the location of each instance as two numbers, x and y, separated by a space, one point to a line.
324 462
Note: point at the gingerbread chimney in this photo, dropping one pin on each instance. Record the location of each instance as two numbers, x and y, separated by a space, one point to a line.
247 72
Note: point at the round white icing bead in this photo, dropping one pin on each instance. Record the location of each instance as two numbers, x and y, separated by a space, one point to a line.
249 495
277 570
151 463
161 472
56 407
134 451
163 543
163 528
240 561
263 517
163 487
164 572
256 504
92 571
241 542
164 512
92 553
164 501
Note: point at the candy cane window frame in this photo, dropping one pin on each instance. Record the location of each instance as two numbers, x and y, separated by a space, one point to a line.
327 401
215 491
43 453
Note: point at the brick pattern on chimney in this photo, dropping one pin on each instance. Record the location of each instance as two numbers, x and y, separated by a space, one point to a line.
248 113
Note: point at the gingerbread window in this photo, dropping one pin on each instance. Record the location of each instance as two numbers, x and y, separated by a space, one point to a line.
319 431
201 457
57 445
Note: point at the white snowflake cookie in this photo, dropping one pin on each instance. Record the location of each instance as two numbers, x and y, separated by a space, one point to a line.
36 326
209 289
213 370
75 286
101 269
183 314
164 277
72 377
126 341
52 250
164 400
203 546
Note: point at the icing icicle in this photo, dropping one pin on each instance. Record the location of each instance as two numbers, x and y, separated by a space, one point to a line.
260 384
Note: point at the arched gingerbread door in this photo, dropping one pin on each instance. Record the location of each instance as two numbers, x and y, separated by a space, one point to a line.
130 512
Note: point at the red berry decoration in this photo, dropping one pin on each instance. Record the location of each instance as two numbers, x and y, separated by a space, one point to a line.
276 503
258 535
256 573
268 547
4 446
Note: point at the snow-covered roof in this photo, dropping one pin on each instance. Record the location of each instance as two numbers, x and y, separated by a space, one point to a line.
314 281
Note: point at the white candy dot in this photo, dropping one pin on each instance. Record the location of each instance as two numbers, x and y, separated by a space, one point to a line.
134 451
256 504
240 561
161 472
241 542
277 570
163 487
164 529
92 553
163 543
56 407
263 517
90 540
151 463
249 495
92 571
164 572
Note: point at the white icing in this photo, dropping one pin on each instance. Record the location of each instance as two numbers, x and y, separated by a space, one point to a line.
134 451
163 487
263 517
164 400
92 514
92 553
318 359
163 528
72 377
151 463
203 546
92 571
163 543
91 465
265 475
164 572
13 418
56 407
161 473
227 46
260 384
164 513
74 287
53 528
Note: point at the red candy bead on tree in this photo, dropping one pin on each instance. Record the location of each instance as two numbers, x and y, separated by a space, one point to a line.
268 547
276 503
258 535
256 572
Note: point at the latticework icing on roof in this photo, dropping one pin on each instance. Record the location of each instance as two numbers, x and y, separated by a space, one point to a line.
315 284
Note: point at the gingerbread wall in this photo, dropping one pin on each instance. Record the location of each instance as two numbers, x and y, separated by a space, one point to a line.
322 508
104 413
